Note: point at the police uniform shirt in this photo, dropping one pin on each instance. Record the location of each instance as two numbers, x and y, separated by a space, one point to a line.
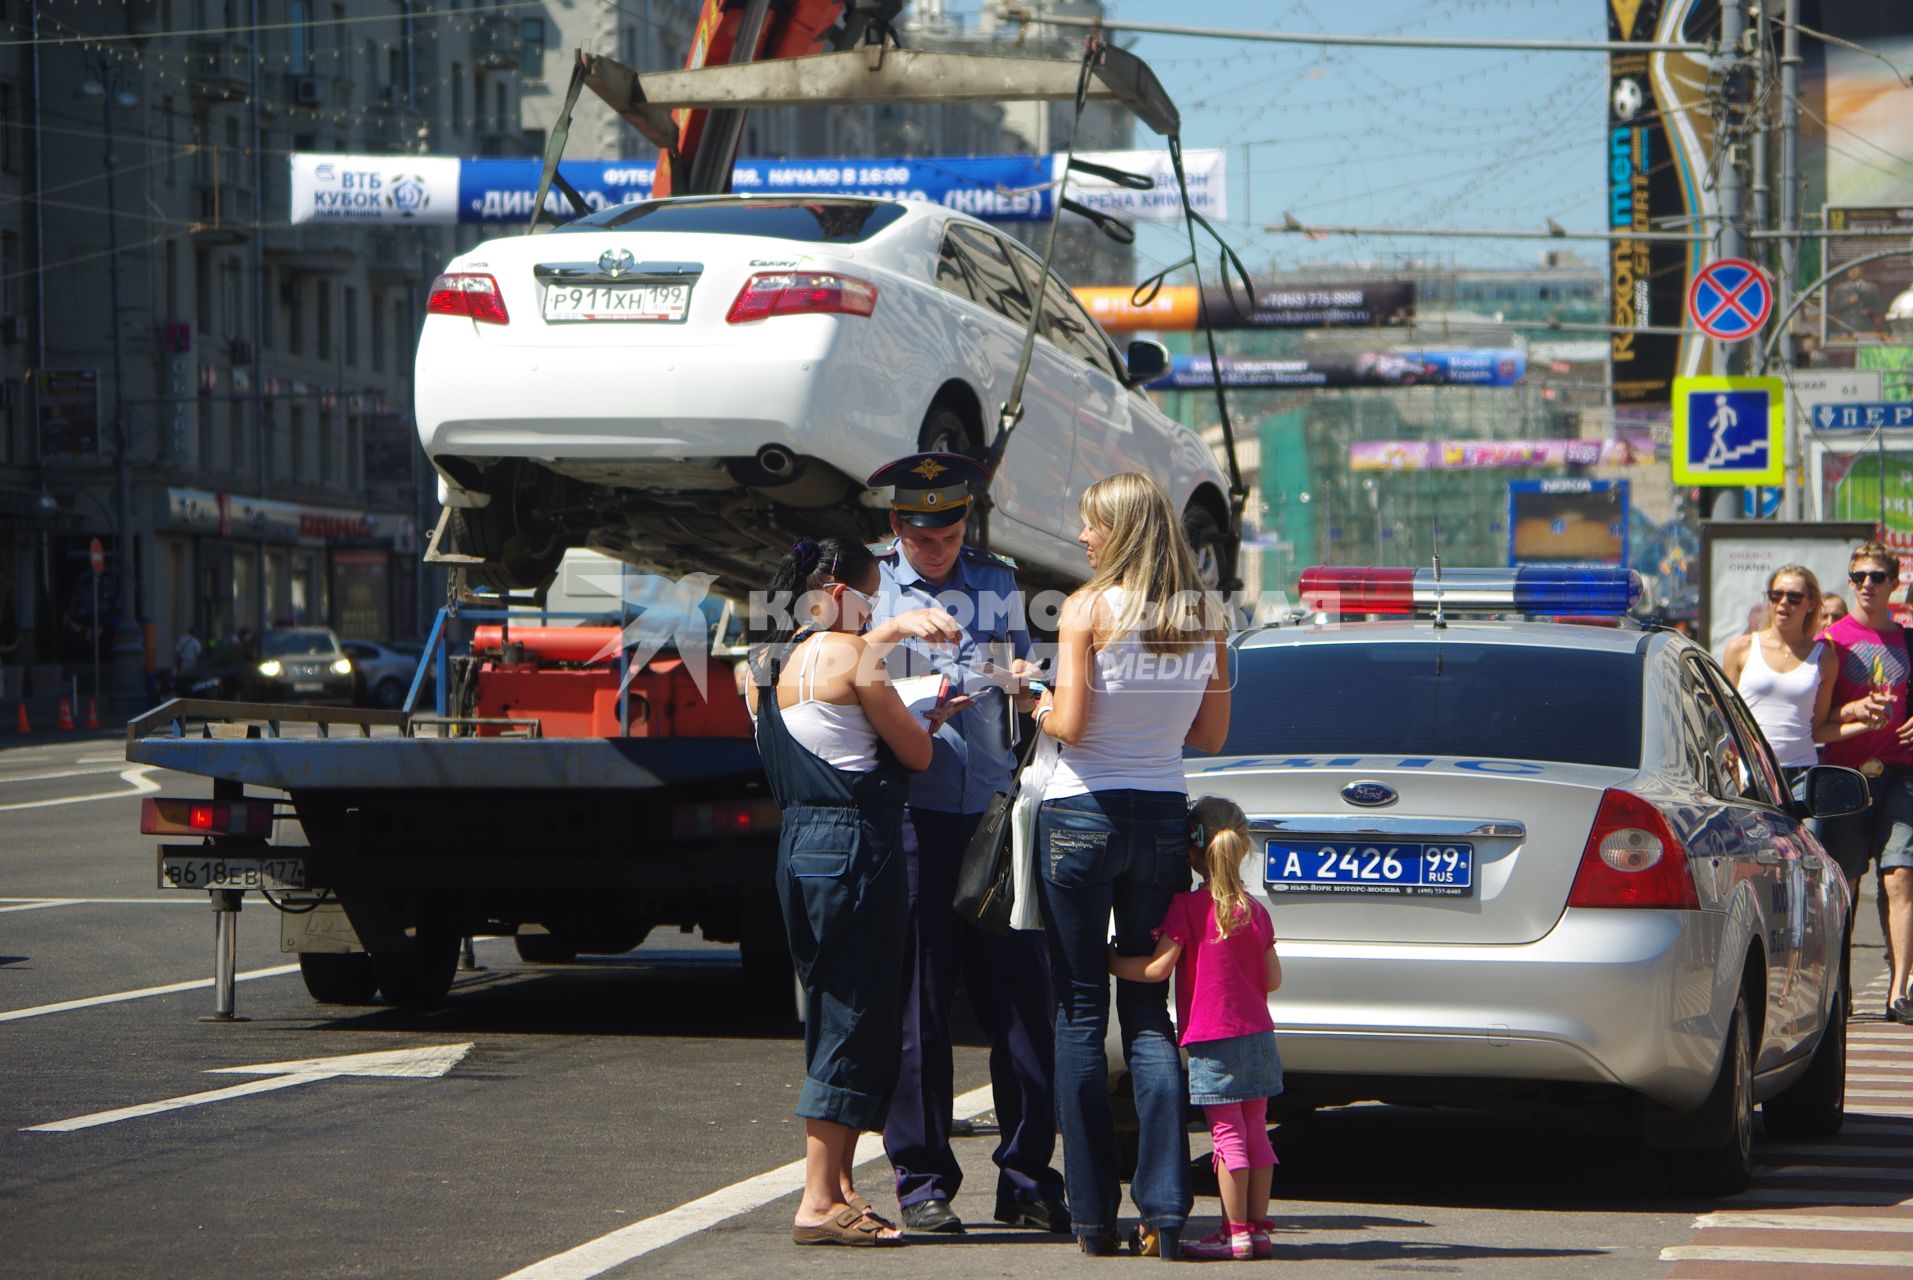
972 758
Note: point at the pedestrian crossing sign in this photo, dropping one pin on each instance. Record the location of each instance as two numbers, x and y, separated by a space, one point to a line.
1729 431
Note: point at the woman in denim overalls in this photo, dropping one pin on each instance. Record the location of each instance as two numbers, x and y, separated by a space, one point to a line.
837 759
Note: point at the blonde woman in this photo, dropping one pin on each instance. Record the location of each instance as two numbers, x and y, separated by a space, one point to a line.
1141 671
1785 674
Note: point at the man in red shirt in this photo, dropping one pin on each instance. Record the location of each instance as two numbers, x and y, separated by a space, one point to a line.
1874 675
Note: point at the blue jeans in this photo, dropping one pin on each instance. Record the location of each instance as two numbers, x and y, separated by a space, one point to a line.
1127 852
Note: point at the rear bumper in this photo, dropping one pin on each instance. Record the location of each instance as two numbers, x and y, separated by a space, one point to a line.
1623 998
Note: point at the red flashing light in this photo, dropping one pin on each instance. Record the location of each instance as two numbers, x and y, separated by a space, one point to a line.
1632 859
245 819
472 295
792 293
1346 590
200 817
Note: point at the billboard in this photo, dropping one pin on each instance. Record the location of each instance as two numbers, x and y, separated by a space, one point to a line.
1477 455
1469 368
441 190
1659 149
1571 521
1178 308
1857 299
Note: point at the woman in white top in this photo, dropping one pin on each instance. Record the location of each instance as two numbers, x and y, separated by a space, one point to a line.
1785 674
836 742
1141 670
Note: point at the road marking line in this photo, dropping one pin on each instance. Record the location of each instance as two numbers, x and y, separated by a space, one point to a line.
1835 1171
1799 1257
142 785
1832 1149
1801 1222
64 1006
63 773
595 1257
1878 1078
1821 1195
35 904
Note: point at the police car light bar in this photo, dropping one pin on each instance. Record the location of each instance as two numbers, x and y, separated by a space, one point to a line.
1415 592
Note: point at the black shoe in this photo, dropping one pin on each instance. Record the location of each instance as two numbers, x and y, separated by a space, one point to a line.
932 1216
1045 1215
1901 1011
1107 1245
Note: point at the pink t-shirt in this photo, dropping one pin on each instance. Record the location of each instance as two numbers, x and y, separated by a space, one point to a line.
1859 648
1221 983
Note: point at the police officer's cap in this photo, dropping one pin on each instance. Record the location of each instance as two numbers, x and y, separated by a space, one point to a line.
930 490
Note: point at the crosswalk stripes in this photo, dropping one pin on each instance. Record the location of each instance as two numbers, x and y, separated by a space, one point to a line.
1839 1208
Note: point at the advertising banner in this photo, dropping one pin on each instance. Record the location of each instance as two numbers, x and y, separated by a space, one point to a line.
1659 145
1859 296
67 407
398 189
1567 521
1178 308
1472 455
1477 368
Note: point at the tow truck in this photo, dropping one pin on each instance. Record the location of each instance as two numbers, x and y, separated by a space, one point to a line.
574 786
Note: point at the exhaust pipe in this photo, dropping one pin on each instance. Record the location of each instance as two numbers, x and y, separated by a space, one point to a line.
777 461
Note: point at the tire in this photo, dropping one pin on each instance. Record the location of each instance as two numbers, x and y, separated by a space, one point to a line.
389 694
339 977
418 978
1815 1105
513 560
1726 1167
947 430
1214 548
545 948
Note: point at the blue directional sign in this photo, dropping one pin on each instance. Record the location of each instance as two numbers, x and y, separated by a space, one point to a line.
1762 503
1728 431
1862 416
1730 299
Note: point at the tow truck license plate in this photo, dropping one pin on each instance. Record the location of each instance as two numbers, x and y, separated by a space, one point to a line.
1407 868
659 303
180 871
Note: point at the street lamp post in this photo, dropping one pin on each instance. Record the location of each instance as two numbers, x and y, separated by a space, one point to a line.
128 649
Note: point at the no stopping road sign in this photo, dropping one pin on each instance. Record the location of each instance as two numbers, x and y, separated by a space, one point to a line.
1730 299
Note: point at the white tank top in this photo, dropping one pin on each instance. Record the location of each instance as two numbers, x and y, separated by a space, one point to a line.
1782 703
841 736
1141 705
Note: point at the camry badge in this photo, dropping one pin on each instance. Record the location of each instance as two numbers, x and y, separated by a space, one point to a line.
1369 795
615 262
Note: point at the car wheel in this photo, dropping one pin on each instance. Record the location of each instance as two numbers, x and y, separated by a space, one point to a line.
389 694
545 948
343 977
946 430
516 558
1815 1105
1214 548
1725 1167
418 978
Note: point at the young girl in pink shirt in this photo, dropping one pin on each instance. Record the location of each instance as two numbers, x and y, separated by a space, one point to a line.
1220 944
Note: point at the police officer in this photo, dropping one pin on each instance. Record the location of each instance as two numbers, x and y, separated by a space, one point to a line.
953 610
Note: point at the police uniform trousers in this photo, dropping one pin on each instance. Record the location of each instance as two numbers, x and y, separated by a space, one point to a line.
1008 982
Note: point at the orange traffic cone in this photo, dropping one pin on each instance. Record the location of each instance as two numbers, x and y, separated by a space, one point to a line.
24 725
92 713
66 715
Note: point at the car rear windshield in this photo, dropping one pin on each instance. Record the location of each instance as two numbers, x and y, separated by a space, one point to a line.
819 221
292 644
1438 699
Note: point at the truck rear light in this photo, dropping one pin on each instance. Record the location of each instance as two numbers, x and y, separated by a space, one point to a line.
1632 859
724 818
795 293
472 295
249 819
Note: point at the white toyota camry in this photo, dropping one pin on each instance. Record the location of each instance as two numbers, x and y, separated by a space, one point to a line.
696 380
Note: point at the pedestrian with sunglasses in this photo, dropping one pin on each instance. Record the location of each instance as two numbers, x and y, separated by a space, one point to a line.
1786 674
1871 689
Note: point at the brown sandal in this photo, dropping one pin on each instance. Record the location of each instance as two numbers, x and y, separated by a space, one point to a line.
849 1227
863 1206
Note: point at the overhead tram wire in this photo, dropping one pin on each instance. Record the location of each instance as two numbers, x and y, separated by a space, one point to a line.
119 37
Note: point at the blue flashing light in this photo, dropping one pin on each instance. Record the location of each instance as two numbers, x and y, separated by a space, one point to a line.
1605 591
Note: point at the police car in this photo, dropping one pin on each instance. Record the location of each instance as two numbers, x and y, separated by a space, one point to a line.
1527 862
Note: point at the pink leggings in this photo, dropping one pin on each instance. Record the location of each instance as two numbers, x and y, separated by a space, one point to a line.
1240 1131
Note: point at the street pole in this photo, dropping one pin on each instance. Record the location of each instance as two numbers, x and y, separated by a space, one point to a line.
1730 357
1792 498
127 648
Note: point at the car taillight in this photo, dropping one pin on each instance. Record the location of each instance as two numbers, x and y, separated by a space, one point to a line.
724 818
161 816
1632 859
796 293
466 294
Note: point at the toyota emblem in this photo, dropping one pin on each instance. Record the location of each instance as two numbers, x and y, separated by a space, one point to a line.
1370 795
615 262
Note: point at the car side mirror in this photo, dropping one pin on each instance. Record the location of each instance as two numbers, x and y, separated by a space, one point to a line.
1834 791
1146 361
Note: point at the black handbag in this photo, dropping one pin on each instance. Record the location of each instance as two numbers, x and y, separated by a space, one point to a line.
985 882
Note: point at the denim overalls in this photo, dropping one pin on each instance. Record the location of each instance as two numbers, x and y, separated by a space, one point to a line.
840 878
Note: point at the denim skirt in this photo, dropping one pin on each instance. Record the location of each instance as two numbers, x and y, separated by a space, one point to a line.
1239 1069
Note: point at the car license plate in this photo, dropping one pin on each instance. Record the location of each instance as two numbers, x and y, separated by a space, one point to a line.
658 303
309 686
1410 868
179 871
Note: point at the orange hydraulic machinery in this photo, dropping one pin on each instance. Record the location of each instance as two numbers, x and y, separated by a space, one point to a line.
566 679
